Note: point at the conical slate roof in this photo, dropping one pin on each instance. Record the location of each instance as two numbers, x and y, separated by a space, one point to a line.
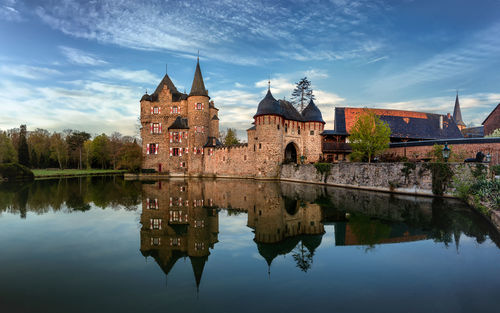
289 112
198 264
268 105
198 86
312 114
457 113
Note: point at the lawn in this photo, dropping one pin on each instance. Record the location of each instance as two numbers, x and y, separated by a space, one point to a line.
73 172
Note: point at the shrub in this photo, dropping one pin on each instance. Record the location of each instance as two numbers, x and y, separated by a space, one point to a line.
15 172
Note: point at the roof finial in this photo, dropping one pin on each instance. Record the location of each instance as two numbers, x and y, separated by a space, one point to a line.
198 59
268 82
166 68
146 90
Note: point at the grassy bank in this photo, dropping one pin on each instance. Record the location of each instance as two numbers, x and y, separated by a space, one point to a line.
48 173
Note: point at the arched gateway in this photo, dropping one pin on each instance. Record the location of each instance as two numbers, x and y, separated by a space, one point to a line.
290 153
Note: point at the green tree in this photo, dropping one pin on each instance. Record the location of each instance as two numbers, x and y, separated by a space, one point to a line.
369 136
23 151
230 138
130 157
101 150
59 150
75 141
7 150
302 93
495 133
39 143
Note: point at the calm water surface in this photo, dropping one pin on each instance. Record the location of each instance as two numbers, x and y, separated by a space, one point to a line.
106 245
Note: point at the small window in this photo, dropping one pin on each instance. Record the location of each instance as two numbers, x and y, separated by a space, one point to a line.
153 204
175 110
175 151
152 148
260 146
278 126
254 148
176 137
174 242
286 128
156 110
298 130
224 158
199 106
199 224
199 246
156 128
312 132
312 223
155 241
183 188
156 223
244 157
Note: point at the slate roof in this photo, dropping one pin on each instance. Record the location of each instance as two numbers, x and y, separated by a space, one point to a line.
473 132
412 128
179 123
457 113
198 86
210 142
312 113
496 108
165 82
252 128
270 106
215 118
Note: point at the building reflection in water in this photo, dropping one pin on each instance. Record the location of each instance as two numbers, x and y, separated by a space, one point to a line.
180 219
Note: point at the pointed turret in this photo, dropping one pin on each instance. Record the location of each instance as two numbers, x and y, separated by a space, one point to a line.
268 105
312 114
198 264
457 114
198 86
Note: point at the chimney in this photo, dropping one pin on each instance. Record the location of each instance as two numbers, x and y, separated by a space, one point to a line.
440 122
448 115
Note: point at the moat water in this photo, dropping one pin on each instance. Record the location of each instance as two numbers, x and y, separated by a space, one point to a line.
103 244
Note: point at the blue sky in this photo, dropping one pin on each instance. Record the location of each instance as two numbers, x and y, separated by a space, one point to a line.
85 64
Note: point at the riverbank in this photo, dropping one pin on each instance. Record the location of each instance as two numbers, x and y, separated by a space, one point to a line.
57 173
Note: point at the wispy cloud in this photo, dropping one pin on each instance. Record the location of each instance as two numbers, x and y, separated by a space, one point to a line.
377 59
184 27
9 11
479 51
27 71
80 57
140 76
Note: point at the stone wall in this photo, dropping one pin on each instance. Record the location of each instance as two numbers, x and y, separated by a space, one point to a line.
386 177
234 161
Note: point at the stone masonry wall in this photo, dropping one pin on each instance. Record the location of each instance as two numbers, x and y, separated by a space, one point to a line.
376 176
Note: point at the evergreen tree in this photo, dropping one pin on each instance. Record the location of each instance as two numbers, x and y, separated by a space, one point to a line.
7 151
302 94
23 152
369 136
230 139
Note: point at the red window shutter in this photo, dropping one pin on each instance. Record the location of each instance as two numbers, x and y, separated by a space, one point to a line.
156 148
159 110
201 151
179 110
180 137
151 126
170 151
171 137
180 164
180 151
156 203
160 128
202 129
202 106
151 110
147 148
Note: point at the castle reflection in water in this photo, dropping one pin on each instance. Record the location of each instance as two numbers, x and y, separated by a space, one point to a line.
180 218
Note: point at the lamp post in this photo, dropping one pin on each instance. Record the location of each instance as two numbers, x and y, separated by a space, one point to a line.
488 158
446 152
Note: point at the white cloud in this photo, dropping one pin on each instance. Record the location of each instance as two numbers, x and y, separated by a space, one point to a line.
27 71
9 11
140 76
80 57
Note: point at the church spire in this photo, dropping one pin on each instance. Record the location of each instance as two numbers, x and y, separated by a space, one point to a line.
198 86
457 114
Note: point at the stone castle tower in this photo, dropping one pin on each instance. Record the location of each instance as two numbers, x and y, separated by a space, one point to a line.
177 128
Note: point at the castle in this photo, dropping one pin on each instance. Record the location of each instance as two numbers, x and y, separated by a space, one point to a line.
180 134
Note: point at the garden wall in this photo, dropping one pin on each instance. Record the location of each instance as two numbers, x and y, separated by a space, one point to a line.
407 178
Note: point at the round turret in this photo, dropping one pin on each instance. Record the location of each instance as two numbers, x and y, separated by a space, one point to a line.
268 106
312 114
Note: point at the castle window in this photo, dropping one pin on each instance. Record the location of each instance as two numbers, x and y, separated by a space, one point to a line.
224 158
298 130
245 157
260 146
286 128
176 137
176 216
199 246
312 223
199 224
156 128
175 110
182 164
174 242
199 129
182 189
278 126
156 110
155 241
155 223
152 148
254 148
312 132
199 106
152 204
175 151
